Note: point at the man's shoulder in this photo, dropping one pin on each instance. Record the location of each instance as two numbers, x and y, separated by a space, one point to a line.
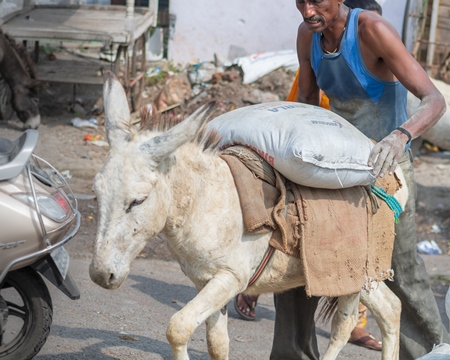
369 19
304 31
371 25
304 37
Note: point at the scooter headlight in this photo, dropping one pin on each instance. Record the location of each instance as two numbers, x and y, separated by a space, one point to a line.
53 206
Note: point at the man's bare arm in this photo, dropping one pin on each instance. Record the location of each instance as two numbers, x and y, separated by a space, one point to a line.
387 57
308 88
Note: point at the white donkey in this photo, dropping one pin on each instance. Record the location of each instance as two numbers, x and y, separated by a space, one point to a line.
167 182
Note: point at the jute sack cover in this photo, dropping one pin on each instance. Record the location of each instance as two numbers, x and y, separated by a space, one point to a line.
343 237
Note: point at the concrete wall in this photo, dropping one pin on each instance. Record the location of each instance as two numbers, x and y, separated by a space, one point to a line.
233 28
9 6
205 27
394 11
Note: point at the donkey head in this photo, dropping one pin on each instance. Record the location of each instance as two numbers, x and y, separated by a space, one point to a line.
18 70
132 188
25 101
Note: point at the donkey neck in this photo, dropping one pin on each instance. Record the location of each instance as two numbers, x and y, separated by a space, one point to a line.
202 188
11 66
205 223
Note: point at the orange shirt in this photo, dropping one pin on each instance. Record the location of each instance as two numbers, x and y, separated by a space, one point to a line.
293 94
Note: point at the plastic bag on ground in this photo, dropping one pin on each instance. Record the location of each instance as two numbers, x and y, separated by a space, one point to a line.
77 122
256 66
429 247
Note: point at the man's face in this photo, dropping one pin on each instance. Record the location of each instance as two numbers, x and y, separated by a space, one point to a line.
318 14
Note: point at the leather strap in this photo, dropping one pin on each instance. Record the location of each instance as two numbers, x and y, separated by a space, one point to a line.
269 252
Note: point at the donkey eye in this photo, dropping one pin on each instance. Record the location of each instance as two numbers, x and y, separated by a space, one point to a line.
134 203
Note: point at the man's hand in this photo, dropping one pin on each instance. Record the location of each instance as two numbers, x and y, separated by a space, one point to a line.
387 153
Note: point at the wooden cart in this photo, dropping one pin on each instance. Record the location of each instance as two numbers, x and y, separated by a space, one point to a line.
123 30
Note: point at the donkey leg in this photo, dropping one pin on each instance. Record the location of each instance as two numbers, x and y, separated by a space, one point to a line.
385 308
342 325
214 296
217 334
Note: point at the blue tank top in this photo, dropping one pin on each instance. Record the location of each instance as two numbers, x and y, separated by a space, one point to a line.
375 106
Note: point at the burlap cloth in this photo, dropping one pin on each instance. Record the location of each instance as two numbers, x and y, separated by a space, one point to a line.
344 237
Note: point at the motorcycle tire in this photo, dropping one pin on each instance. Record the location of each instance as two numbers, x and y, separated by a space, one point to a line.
30 311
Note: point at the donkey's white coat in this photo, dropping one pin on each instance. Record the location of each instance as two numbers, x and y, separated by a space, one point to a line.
165 182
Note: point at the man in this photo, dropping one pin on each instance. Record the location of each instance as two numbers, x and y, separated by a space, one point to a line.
357 58
245 304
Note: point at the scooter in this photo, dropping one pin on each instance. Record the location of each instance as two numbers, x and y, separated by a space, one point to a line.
38 215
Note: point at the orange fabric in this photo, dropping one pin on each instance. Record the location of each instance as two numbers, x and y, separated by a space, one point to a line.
324 101
362 316
293 94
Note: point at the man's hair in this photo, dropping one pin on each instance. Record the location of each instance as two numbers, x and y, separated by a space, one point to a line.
370 5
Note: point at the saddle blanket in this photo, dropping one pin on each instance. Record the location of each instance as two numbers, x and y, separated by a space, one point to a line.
343 237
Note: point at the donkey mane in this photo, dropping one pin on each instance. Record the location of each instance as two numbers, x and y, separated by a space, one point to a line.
23 54
157 122
209 140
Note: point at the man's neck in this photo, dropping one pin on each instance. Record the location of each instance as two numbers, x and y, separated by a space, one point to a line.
332 35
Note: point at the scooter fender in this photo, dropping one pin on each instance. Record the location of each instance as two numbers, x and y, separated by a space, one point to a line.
46 266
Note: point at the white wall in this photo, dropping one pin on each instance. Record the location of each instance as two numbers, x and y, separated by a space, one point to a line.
9 6
205 27
393 11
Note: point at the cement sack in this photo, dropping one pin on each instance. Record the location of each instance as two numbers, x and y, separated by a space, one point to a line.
439 134
309 145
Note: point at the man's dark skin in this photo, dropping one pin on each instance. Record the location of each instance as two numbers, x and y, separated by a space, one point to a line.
384 56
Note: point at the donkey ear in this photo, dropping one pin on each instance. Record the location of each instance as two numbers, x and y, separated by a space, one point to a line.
165 144
117 112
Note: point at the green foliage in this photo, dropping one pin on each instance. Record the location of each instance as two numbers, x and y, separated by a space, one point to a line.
158 75
48 48
440 278
156 78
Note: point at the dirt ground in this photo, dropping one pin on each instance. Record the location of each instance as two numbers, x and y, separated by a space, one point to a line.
64 146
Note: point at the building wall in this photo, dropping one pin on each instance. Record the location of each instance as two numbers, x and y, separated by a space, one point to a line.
238 27
206 27
394 11
203 28
10 6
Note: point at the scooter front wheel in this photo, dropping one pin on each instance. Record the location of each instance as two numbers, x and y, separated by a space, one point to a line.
27 316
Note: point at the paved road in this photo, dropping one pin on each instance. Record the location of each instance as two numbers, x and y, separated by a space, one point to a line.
130 323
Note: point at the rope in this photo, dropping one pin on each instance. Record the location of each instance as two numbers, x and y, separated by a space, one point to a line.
390 200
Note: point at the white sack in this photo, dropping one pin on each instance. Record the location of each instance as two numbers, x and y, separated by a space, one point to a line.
309 145
439 134
256 66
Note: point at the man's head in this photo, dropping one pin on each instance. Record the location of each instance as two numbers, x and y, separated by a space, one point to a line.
320 14
370 5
